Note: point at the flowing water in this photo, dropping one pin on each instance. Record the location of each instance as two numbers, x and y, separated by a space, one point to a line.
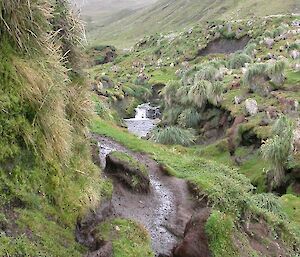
144 121
166 206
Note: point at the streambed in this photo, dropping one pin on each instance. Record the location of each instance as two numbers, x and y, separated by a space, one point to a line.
164 211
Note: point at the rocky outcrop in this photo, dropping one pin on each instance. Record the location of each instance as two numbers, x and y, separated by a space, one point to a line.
195 242
129 171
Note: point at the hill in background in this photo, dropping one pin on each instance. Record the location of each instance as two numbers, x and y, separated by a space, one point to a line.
126 22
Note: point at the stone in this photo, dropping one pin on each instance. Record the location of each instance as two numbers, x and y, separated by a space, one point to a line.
251 107
269 42
238 99
115 68
142 78
295 54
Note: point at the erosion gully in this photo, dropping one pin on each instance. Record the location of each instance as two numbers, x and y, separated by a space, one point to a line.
164 211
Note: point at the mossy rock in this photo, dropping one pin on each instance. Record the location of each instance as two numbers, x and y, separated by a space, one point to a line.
128 170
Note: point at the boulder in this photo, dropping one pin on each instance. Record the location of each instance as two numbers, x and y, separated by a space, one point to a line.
295 54
128 170
238 99
195 242
251 107
269 42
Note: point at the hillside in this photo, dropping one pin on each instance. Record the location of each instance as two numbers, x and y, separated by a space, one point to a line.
101 13
228 93
185 145
170 15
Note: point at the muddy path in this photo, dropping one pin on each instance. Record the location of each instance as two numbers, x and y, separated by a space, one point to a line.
164 211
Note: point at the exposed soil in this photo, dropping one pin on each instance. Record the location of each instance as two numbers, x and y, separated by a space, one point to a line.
164 211
224 46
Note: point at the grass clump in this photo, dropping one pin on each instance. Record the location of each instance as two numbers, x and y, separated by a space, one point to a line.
278 149
173 136
129 239
275 71
189 118
239 60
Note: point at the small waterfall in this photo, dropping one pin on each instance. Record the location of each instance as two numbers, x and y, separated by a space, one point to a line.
146 118
141 112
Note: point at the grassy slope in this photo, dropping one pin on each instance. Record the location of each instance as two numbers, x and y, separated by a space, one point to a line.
225 188
166 15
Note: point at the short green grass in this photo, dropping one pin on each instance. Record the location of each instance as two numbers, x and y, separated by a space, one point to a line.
130 160
226 189
129 239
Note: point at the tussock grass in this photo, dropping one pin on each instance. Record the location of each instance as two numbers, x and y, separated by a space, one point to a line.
239 60
278 149
173 136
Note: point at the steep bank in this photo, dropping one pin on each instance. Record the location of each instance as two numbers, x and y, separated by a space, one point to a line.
47 178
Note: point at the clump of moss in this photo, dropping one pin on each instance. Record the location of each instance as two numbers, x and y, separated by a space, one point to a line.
129 239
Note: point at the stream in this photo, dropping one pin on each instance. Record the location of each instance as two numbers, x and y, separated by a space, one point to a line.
166 209
145 120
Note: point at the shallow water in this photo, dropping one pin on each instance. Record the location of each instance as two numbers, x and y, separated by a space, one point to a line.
153 210
140 127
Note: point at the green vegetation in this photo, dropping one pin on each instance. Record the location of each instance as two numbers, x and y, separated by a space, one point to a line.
278 149
239 60
173 136
47 178
166 15
130 160
227 190
129 238
220 228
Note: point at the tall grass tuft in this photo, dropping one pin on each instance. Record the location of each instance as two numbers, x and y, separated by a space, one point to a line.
277 150
214 92
169 91
255 75
189 118
198 93
238 60
27 23
173 136
275 71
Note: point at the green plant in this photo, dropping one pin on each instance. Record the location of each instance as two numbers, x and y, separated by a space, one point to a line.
173 136
214 92
198 93
255 76
169 91
278 149
239 60
208 72
189 118
275 71
220 228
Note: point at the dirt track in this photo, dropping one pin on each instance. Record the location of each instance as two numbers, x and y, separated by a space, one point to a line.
164 211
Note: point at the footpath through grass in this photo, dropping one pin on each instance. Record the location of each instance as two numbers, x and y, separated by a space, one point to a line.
227 190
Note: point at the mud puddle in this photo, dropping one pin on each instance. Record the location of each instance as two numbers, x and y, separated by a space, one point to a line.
164 211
